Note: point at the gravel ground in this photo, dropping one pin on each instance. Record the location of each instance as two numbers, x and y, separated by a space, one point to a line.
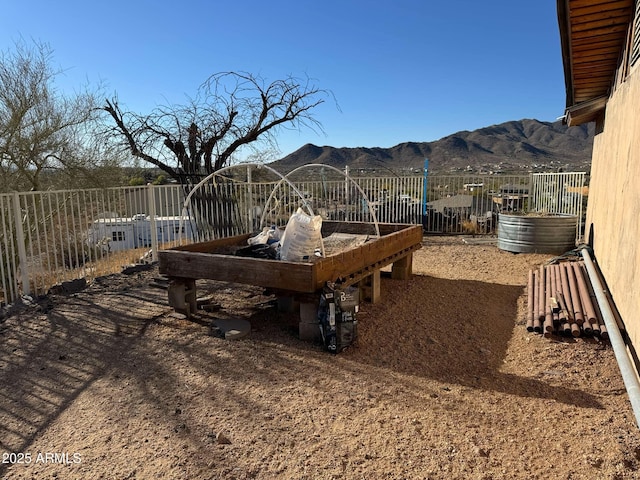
444 382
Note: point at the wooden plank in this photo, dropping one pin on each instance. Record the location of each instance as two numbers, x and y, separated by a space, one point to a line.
586 47
587 32
402 268
354 260
193 261
601 26
370 287
252 271
589 42
601 4
357 276
621 11
600 59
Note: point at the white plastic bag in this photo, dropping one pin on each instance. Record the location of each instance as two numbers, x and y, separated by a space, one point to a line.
268 235
302 237
260 238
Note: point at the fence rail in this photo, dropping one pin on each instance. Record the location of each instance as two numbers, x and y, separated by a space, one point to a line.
55 236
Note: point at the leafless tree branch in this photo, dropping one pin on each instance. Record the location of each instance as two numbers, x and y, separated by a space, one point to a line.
231 110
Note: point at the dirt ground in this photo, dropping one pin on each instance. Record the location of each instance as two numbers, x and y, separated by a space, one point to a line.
444 382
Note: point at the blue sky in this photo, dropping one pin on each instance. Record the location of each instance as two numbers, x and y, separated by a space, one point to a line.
401 70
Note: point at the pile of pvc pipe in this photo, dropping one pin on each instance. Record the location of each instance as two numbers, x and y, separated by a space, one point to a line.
561 301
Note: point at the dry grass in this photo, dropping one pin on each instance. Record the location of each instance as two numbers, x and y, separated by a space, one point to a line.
469 227
107 264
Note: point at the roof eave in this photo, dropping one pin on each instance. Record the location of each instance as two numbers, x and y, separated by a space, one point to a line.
585 112
565 43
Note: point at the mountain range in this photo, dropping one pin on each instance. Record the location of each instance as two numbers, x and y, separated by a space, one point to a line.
515 146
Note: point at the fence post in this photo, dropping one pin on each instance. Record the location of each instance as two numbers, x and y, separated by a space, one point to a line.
152 219
22 251
346 192
531 194
580 183
424 189
250 216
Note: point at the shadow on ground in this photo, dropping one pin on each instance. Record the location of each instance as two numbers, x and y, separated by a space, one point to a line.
453 332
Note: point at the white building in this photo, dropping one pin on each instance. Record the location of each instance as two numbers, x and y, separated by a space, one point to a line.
116 233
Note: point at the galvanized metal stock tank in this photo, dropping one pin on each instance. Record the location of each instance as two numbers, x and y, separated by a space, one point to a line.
555 234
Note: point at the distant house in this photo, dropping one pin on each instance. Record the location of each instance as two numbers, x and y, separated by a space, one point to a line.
600 42
454 202
511 198
509 189
462 206
471 187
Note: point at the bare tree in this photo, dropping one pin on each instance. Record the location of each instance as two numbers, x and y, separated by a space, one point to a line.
231 111
38 125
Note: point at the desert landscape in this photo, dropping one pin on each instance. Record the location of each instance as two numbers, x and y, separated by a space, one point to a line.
444 382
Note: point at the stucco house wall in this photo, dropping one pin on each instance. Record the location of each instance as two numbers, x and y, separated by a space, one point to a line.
613 210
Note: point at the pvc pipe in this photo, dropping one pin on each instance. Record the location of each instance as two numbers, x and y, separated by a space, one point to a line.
629 375
594 301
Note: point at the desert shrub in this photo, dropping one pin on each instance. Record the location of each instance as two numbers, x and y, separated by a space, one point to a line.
469 226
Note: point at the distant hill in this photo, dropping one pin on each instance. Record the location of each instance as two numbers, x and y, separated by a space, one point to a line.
514 146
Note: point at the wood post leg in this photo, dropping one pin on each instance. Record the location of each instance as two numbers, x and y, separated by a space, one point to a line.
402 268
182 295
370 287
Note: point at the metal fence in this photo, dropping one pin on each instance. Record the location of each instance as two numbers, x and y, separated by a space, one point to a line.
50 237
55 236
472 203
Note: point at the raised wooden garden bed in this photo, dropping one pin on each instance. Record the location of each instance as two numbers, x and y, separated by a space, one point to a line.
211 260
